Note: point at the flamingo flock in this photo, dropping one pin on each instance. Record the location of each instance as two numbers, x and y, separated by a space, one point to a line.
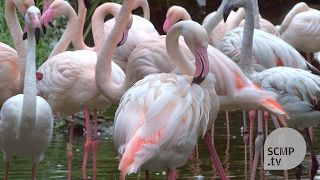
168 88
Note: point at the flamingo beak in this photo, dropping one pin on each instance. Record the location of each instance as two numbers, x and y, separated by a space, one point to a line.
124 37
46 19
167 24
202 64
227 9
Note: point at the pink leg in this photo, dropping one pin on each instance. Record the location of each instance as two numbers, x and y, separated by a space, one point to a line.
251 116
215 157
95 140
69 148
172 174
245 140
258 145
311 133
34 166
7 171
147 175
227 123
88 144
308 57
265 115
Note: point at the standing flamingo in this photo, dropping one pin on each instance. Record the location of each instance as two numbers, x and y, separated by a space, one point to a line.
68 83
12 62
300 29
297 90
26 120
162 88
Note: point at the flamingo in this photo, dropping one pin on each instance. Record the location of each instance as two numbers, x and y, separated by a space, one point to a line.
141 88
13 61
26 120
141 30
297 90
300 29
67 72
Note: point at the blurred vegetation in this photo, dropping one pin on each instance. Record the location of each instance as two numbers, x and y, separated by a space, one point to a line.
272 10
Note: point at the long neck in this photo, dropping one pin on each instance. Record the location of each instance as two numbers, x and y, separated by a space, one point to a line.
256 14
246 63
103 68
30 91
215 19
16 33
298 8
176 55
98 22
68 34
145 7
78 41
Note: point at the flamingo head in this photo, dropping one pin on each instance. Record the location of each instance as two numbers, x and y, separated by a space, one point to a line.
125 32
32 19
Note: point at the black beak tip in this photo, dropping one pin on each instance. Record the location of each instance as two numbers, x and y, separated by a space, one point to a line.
51 24
44 29
227 9
87 4
37 35
25 36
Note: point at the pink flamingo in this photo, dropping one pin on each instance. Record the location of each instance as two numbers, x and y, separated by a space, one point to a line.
105 57
300 29
12 61
26 120
67 72
297 93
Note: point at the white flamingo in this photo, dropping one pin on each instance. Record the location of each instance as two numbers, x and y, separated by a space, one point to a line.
26 120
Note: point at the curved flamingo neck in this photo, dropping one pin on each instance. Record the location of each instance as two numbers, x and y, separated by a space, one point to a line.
145 7
68 34
16 33
107 87
256 14
298 8
246 63
178 58
215 19
28 113
78 41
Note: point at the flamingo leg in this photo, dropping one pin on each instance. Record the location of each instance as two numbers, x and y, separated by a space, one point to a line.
315 164
266 120
88 144
258 145
308 57
215 157
69 148
277 125
227 123
34 167
245 140
147 175
95 140
7 171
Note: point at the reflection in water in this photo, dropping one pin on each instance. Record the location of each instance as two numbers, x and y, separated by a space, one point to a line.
231 150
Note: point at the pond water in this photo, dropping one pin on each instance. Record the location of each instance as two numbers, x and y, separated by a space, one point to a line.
230 150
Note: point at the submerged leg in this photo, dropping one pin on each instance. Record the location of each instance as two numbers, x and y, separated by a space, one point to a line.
69 148
88 144
315 164
258 145
95 141
215 157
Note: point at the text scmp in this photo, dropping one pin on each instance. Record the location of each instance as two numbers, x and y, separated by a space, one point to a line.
279 151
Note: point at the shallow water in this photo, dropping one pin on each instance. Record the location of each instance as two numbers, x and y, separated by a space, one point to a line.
230 150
